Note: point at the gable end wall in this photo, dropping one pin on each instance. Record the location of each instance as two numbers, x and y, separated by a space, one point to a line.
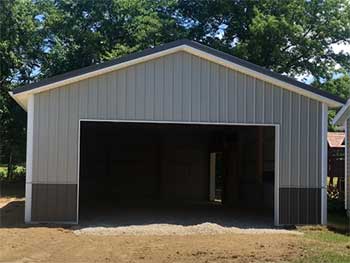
181 87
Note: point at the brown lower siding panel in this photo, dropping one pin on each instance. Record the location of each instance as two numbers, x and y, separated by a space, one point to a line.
300 206
54 202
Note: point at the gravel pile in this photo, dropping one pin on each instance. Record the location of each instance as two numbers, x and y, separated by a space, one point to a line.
172 229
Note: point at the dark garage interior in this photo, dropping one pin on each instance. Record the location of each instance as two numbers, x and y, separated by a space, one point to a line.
154 167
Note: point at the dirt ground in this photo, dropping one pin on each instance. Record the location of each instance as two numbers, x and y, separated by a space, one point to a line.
20 243
61 245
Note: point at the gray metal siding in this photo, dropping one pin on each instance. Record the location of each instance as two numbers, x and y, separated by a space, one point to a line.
177 87
54 202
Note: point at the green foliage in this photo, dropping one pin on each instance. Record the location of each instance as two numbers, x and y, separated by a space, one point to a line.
20 46
340 87
84 32
18 173
291 37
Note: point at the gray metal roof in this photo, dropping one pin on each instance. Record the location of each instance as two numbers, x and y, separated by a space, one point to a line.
173 44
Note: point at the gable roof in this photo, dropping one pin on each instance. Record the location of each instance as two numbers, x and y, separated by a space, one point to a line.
21 94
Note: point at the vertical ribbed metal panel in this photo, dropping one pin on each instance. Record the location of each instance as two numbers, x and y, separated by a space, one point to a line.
295 136
177 87
259 102
186 87
195 89
203 75
53 132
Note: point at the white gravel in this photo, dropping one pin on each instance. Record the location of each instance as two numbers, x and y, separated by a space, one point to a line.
173 229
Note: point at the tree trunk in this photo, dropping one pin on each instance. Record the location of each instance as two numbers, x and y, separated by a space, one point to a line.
10 168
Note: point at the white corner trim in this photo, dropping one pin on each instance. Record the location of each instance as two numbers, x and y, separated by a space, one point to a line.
277 177
21 98
342 115
28 203
29 160
324 168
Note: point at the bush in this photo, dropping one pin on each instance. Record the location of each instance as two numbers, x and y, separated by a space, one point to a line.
18 173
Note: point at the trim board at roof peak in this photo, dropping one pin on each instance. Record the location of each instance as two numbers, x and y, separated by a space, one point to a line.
194 48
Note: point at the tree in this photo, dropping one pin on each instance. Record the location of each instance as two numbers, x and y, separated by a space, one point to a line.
19 47
340 87
291 37
84 32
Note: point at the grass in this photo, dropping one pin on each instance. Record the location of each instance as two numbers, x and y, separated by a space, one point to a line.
323 245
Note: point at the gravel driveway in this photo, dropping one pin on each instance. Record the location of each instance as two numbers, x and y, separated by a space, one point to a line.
187 220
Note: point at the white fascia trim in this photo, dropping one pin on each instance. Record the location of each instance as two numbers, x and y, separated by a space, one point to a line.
17 98
191 50
324 167
342 115
29 160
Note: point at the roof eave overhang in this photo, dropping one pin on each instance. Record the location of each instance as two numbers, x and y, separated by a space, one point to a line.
22 97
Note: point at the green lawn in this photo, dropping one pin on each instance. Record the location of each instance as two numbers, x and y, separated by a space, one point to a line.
323 245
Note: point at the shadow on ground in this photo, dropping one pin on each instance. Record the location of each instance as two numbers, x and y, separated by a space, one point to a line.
12 214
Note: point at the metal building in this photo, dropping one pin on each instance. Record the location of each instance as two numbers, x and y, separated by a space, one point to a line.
159 118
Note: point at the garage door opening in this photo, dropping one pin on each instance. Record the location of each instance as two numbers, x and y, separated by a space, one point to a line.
155 170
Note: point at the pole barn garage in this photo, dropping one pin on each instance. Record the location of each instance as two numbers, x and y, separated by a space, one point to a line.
176 124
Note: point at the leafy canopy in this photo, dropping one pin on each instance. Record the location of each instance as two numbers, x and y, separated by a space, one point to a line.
292 37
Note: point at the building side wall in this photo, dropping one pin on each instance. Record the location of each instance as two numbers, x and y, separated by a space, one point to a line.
186 88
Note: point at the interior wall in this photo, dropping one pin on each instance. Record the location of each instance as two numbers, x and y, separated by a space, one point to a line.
135 161
244 186
130 161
